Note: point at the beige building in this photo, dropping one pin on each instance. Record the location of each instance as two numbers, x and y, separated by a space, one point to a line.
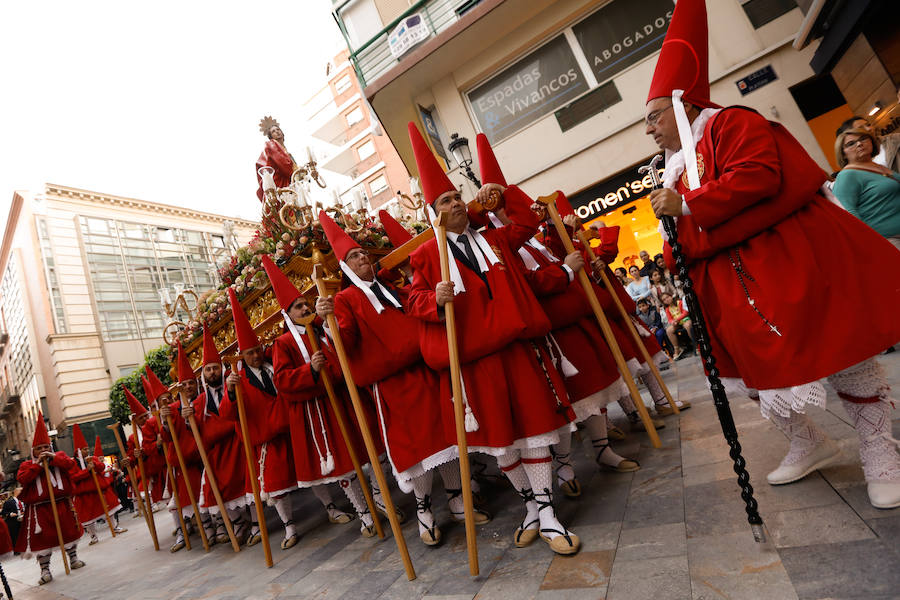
350 142
80 299
559 87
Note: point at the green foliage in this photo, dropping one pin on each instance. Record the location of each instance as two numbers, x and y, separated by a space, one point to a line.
160 362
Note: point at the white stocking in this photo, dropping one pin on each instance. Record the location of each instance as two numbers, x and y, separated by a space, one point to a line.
323 493
597 428
354 493
422 489
91 530
511 465
452 485
562 452
285 511
801 432
656 391
537 465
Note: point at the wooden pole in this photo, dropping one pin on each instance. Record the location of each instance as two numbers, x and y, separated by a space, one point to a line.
59 535
250 455
192 422
458 410
630 325
550 202
148 517
182 464
112 529
345 434
148 502
171 473
366 432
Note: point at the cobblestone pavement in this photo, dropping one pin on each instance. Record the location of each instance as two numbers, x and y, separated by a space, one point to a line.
675 529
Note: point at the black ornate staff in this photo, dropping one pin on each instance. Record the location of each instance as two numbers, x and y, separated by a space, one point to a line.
720 398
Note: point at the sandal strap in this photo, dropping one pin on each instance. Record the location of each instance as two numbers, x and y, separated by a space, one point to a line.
524 526
542 504
566 534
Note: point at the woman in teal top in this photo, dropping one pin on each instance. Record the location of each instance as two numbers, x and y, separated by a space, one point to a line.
867 190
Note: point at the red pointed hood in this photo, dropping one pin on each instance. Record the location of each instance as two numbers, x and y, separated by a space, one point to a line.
432 177
246 337
285 291
185 372
210 354
41 437
78 441
158 387
98 447
134 404
487 162
396 232
340 242
683 62
563 206
149 392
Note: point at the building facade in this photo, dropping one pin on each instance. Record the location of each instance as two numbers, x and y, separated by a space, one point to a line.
80 297
351 142
559 87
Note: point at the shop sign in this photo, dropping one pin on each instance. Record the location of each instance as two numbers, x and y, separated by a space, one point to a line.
622 33
614 193
533 86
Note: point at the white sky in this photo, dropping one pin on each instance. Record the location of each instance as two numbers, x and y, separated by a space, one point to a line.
159 101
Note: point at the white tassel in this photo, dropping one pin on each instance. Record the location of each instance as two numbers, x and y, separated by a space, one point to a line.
328 466
568 369
471 422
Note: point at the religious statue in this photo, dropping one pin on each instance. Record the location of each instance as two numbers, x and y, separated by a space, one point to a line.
274 155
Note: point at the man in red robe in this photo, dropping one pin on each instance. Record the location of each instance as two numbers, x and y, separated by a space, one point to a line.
592 379
383 350
223 448
267 424
320 454
88 506
107 479
513 395
274 155
188 446
38 534
143 445
747 197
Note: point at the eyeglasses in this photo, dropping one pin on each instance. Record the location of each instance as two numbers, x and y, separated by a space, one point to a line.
856 142
357 254
653 117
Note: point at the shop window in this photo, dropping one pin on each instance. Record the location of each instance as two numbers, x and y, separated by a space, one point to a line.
761 12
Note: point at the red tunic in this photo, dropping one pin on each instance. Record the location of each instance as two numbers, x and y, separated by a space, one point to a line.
191 454
276 156
505 382
269 430
6 545
222 443
87 500
107 484
313 424
38 530
383 350
154 461
805 273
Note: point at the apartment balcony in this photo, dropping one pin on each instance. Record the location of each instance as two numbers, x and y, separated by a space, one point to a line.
374 58
328 122
341 157
8 400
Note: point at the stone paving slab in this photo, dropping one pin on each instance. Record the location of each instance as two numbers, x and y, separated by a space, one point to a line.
675 529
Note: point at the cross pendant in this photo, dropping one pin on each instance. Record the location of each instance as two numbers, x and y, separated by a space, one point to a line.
775 329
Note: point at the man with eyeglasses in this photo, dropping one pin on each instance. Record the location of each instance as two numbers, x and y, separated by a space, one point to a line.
746 197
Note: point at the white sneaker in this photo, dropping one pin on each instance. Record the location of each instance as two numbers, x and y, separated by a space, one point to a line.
821 456
884 494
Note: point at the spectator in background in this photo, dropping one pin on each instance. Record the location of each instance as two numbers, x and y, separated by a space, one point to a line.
650 317
888 154
868 190
649 265
660 261
622 276
674 315
659 286
12 513
639 286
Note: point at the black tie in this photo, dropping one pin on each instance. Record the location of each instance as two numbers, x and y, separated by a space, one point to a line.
211 404
470 254
267 382
379 293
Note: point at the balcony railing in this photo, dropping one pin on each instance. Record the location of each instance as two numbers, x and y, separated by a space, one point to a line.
373 59
8 398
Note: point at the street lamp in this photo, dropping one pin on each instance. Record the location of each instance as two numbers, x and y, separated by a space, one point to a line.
459 148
